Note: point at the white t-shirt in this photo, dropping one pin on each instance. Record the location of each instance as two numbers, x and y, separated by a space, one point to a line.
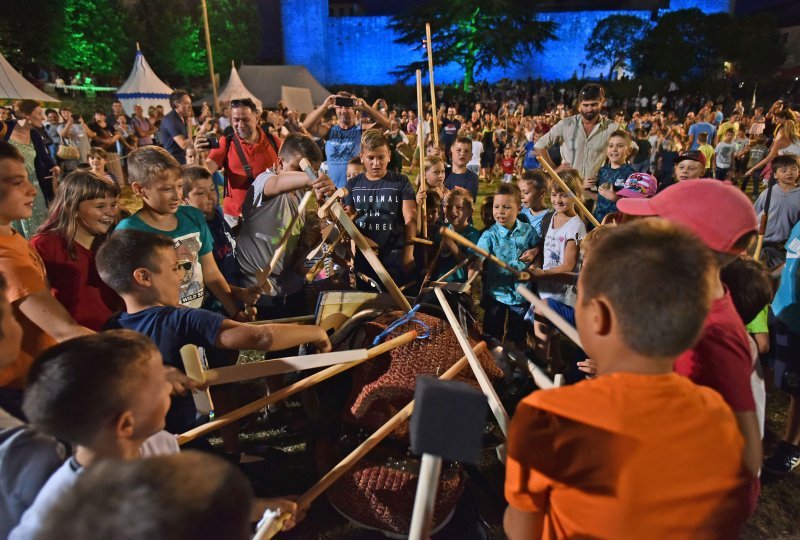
555 243
477 150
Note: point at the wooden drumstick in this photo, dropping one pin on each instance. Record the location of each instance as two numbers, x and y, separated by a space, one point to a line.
292 389
359 452
458 239
422 212
546 166
429 45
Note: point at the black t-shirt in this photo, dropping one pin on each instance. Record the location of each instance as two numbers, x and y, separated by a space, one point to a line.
450 129
103 133
644 150
379 205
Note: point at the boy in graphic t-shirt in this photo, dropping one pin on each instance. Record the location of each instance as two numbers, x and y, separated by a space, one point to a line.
384 208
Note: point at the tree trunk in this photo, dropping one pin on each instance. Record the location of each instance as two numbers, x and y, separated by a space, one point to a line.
469 73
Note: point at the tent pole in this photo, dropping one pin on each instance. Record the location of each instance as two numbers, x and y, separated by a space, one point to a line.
210 58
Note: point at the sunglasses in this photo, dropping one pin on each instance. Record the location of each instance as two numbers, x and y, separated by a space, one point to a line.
245 102
185 265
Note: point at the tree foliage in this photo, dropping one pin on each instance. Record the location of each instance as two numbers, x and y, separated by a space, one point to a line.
687 44
91 37
613 41
475 34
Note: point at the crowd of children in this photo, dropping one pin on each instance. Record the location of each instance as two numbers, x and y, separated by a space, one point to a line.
674 320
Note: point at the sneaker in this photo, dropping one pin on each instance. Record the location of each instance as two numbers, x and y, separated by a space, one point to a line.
784 459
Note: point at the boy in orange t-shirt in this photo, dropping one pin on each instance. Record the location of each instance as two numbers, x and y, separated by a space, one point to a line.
43 319
639 451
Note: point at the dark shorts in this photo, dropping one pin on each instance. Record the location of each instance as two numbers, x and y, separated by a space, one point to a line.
487 160
785 356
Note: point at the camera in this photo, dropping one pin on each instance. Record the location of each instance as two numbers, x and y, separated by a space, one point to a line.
341 101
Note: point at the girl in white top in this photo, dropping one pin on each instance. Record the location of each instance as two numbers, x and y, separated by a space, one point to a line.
787 141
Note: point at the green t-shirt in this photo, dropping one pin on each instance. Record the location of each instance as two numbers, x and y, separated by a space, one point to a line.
192 240
759 324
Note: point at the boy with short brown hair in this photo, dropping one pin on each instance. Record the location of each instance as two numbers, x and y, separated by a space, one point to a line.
385 208
621 455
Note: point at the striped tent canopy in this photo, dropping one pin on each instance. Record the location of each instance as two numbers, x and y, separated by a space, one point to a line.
143 87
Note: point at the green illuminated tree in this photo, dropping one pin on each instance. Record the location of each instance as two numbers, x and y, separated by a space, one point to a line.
475 34
20 42
91 38
613 41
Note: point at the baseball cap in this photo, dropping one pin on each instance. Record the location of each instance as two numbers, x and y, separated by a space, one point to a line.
716 212
694 155
639 186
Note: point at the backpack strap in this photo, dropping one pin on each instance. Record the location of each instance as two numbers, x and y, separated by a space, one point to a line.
248 169
546 220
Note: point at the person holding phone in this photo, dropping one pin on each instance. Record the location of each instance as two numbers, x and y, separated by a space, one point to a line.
343 139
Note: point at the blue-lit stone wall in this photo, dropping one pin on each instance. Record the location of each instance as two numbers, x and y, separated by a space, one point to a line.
361 50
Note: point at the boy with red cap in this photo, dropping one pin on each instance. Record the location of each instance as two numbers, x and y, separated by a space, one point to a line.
723 218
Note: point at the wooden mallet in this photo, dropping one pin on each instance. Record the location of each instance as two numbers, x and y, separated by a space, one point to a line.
447 424
292 389
541 307
458 239
272 528
498 410
582 207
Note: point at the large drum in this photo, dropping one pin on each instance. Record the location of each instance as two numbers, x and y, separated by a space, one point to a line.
378 492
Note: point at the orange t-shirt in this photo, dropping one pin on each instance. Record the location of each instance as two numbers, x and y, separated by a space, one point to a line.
24 272
628 456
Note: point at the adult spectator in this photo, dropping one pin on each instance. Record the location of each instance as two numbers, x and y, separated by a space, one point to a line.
42 170
701 126
51 128
244 154
583 138
142 127
174 133
105 136
74 130
117 110
449 133
731 123
343 139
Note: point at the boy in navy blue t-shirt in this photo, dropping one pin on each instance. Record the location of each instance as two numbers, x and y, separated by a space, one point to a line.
385 209
143 268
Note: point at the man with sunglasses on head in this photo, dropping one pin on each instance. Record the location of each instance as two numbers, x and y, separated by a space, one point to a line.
583 137
244 154
343 139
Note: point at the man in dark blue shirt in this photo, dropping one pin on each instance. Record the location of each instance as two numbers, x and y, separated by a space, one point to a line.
174 134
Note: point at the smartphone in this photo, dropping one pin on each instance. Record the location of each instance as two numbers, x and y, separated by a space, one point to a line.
341 101
213 142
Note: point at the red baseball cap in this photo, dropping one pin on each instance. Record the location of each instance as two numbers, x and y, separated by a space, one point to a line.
716 212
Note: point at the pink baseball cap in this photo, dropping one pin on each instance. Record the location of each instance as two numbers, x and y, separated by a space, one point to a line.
716 212
639 186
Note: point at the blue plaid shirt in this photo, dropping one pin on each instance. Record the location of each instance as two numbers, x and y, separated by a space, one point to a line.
508 246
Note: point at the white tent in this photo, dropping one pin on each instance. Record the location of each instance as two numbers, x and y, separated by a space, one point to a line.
235 89
267 82
143 87
14 86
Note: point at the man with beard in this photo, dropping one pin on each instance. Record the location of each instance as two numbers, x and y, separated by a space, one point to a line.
343 139
244 154
583 138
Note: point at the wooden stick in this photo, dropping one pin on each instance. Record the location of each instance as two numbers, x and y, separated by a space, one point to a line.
338 194
292 389
299 319
279 366
457 238
541 307
455 269
360 451
337 211
281 249
495 405
585 211
422 217
429 45
312 273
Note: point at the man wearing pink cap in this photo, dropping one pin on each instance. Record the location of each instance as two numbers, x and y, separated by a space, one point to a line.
723 218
